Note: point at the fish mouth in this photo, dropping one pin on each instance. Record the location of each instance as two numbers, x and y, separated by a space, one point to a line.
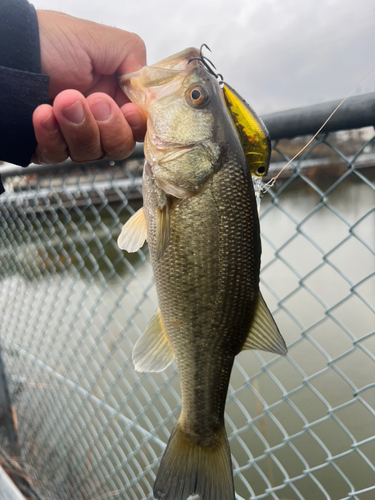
149 84
158 80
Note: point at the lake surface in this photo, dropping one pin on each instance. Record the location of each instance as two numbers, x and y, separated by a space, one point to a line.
73 306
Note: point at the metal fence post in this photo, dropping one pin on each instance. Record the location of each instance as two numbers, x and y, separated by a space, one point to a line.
8 417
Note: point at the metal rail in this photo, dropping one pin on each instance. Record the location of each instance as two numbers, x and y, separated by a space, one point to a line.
13 170
355 112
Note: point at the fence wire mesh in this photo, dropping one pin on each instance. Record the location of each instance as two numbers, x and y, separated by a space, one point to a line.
73 305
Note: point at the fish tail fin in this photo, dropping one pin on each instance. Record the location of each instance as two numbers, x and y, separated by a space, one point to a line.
187 468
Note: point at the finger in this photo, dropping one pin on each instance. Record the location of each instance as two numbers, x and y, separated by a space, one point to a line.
120 97
116 135
77 126
120 51
52 147
135 56
136 119
109 85
106 84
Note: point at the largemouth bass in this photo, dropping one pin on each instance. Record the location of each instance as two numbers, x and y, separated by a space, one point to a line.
201 223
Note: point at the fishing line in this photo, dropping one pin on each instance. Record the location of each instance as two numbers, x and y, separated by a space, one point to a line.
272 181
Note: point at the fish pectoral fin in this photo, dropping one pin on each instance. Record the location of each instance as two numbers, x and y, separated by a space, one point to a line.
134 232
174 190
264 333
162 230
153 351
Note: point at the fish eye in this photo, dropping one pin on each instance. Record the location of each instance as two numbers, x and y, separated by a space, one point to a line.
261 170
197 96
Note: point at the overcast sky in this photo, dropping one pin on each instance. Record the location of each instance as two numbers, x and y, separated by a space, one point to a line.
278 54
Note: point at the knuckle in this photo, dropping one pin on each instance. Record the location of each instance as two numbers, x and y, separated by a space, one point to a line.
49 156
120 154
85 154
120 149
56 149
84 144
136 42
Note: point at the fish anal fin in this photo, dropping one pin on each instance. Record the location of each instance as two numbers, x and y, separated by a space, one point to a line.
264 333
188 467
153 351
162 229
134 232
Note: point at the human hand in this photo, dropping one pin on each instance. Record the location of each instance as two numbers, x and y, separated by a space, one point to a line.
90 117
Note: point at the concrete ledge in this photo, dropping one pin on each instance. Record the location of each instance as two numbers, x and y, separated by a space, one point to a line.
8 490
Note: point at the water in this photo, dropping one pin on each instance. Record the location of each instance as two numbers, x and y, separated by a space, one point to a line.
73 306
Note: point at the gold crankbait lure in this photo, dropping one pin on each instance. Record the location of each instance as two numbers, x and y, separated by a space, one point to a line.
253 135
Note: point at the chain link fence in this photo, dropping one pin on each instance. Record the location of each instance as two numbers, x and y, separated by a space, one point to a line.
73 305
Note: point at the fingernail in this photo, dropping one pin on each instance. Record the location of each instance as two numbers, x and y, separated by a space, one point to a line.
101 110
74 113
50 123
134 120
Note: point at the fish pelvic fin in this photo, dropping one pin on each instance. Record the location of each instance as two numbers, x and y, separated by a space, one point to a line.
264 333
187 468
134 232
153 351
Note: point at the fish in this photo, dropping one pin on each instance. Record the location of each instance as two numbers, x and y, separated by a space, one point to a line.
200 220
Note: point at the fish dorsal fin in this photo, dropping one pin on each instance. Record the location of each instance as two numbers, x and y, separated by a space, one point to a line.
134 232
162 230
264 333
153 351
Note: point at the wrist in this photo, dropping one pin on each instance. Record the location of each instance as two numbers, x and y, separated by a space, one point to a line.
19 47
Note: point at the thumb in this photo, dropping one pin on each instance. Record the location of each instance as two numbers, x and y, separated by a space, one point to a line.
77 53
114 50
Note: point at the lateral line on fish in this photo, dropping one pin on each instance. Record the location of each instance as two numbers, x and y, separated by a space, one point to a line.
272 181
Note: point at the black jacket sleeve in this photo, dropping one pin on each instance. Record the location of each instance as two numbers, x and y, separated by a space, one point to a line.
22 86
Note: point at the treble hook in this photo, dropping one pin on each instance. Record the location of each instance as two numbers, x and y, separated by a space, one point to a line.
207 63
